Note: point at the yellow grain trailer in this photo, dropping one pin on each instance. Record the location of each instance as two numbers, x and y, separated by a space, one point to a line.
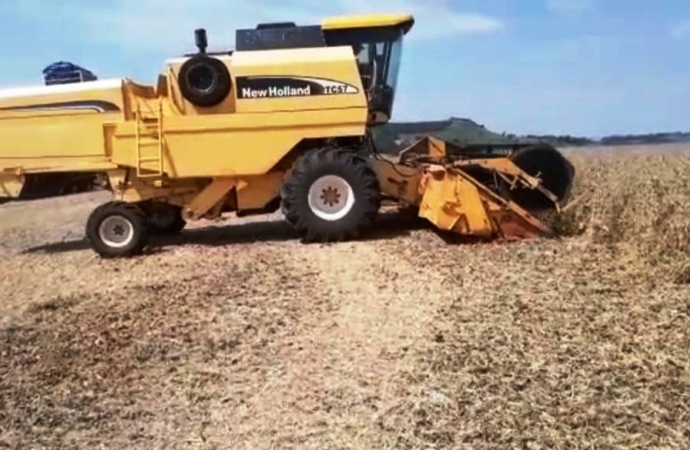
283 121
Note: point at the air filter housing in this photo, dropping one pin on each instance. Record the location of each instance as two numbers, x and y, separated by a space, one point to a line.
281 35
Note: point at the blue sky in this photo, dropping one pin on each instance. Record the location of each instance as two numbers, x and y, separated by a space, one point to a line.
586 67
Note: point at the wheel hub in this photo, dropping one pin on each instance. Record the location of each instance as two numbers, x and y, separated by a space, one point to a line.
116 231
331 197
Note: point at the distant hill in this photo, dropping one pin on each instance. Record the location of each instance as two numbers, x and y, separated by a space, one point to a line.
656 138
394 136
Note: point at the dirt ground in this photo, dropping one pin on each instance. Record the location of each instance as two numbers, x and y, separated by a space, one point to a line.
235 335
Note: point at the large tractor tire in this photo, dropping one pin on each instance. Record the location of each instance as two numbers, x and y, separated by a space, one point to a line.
331 195
117 229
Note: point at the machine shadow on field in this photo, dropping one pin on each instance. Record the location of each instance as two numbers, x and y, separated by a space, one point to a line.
388 226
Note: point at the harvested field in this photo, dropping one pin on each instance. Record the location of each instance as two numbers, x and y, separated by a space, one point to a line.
235 335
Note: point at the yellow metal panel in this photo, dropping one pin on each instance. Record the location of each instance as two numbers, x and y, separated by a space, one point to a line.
454 204
333 64
368 21
259 191
400 182
330 63
58 128
209 197
52 141
237 144
427 146
59 97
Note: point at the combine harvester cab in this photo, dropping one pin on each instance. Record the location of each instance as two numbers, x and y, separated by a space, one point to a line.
282 122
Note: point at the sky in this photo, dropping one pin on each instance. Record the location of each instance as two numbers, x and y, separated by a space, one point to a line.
581 67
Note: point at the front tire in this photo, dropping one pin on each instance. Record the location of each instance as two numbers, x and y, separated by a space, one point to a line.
331 195
117 229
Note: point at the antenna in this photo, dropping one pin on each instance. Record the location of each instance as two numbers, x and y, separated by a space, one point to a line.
200 38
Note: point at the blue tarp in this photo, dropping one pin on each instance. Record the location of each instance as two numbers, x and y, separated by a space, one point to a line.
63 72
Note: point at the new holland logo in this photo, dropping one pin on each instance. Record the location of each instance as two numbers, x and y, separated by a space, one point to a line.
277 87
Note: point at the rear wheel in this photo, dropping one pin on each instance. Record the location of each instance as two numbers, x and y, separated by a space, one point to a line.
331 195
163 219
166 224
117 229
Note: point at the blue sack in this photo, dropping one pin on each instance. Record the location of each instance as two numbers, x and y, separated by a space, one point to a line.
63 72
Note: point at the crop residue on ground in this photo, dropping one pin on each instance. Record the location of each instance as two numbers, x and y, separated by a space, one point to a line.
238 336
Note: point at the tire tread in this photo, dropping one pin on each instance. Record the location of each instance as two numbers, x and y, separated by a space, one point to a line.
360 175
129 210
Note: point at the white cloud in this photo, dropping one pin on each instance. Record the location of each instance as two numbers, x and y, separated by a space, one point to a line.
167 26
681 30
570 7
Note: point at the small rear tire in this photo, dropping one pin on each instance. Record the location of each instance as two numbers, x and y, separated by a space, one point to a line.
117 229
331 195
163 219
167 225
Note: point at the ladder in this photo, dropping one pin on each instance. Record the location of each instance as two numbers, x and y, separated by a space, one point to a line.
149 142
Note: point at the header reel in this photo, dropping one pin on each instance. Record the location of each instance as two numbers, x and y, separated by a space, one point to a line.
534 177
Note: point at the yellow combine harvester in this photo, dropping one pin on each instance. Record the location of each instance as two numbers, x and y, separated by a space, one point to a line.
282 122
